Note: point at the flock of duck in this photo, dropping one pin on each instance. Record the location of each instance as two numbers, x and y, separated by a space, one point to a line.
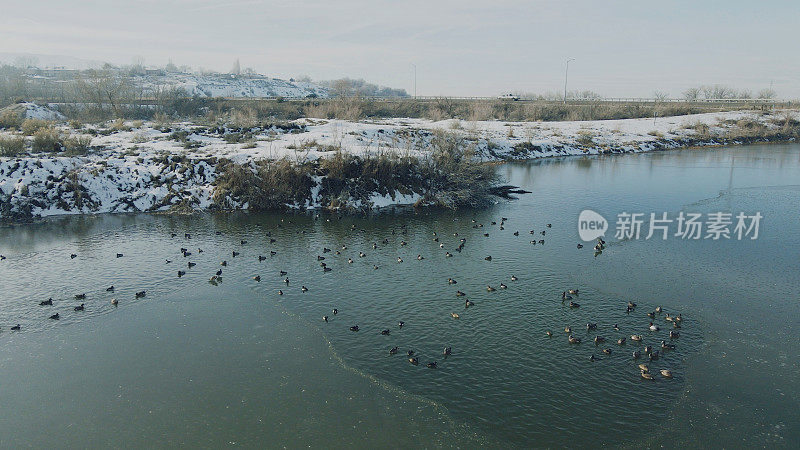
650 353
568 298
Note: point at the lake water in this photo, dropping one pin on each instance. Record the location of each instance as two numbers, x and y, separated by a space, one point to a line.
235 363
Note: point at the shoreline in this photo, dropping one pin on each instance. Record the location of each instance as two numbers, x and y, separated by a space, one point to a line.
313 164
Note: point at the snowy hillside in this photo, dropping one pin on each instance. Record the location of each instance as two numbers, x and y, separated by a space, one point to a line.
224 85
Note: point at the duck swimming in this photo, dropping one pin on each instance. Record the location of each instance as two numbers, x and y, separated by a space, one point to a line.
80 296
325 318
489 288
567 329
280 292
573 340
114 302
354 328
303 289
141 294
413 360
674 334
447 351
488 258
591 326
16 328
393 350
55 316
621 341
48 302
666 373
599 339
400 324
513 278
653 327
647 375
636 337
385 332
468 303
431 365
607 351
574 305
636 354
335 311
451 281
454 315
257 278
549 333
79 307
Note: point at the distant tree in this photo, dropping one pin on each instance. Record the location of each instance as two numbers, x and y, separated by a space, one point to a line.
691 94
717 91
342 88
660 96
26 62
105 88
767 93
138 63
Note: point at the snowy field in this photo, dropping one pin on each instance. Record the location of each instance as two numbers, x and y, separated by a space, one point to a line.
154 167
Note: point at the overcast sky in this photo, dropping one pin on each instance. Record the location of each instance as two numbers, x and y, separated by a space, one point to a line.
621 48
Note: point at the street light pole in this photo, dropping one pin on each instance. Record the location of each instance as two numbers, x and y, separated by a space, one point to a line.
566 72
415 79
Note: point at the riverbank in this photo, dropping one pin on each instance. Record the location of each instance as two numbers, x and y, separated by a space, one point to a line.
51 168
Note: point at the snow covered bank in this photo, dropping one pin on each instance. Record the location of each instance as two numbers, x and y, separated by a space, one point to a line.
157 167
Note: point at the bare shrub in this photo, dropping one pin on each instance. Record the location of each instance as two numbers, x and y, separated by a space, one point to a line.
10 120
47 140
77 145
11 146
30 126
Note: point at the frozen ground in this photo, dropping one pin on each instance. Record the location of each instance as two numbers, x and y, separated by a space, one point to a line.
153 167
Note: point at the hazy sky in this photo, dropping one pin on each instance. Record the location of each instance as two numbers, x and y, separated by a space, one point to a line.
621 48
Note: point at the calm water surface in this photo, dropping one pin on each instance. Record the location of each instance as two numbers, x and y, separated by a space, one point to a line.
237 364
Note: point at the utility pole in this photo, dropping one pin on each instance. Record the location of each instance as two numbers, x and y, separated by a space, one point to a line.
566 72
415 80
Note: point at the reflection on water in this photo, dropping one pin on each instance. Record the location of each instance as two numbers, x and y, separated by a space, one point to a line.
199 364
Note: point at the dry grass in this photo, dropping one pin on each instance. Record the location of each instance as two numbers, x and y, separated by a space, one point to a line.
449 177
